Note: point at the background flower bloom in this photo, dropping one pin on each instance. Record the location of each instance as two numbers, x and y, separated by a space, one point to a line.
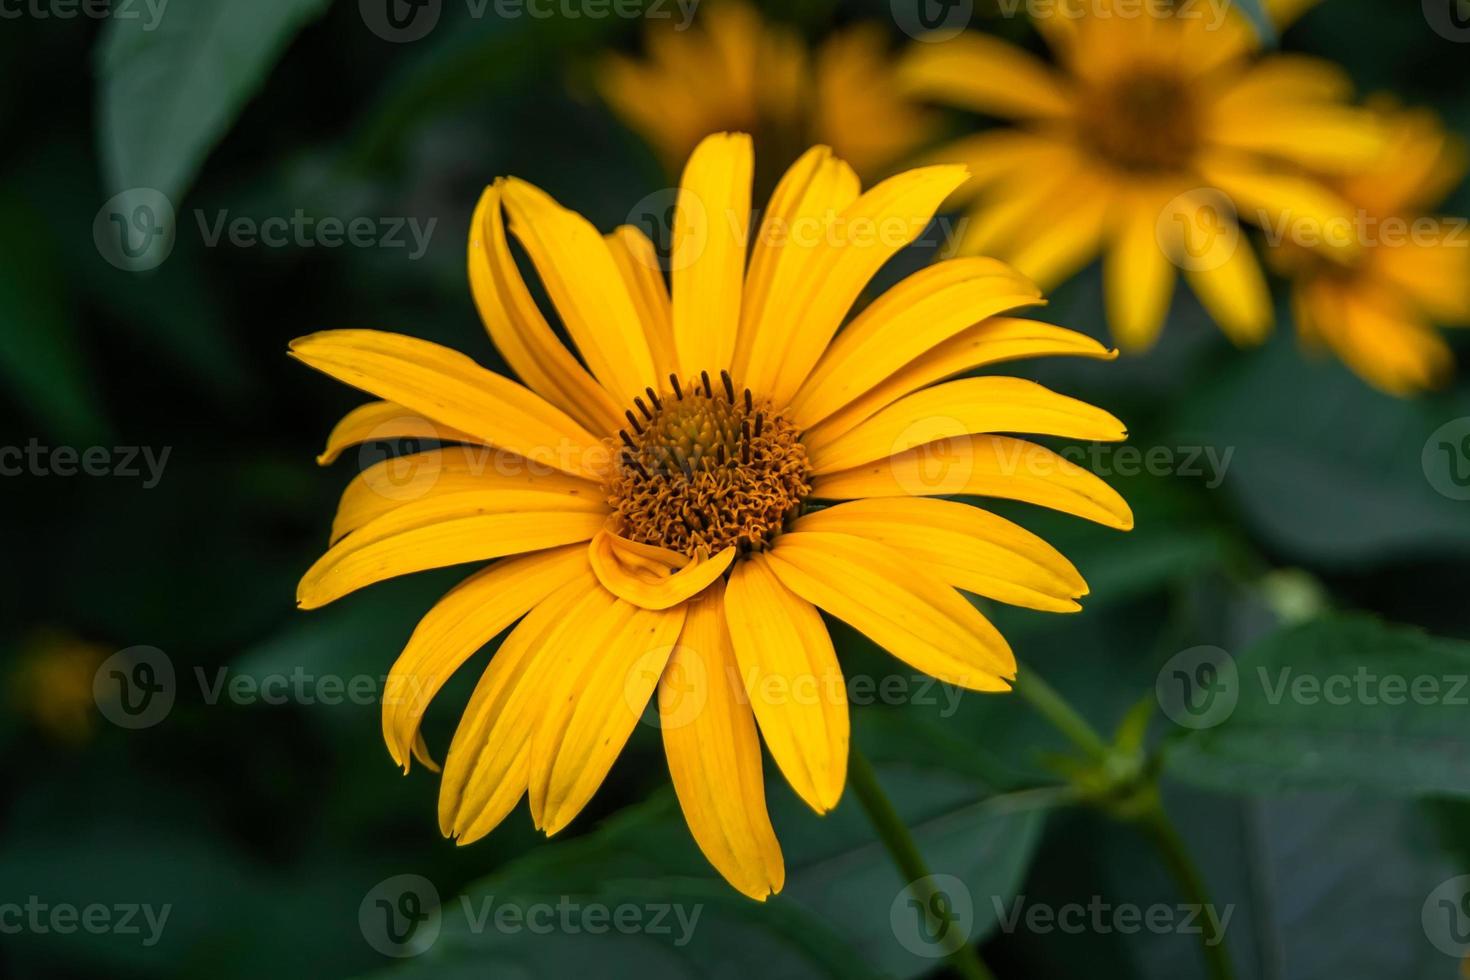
1146 142
1375 306
735 70
655 510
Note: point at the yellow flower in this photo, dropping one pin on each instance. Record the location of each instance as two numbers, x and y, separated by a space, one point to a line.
654 511
1376 309
1146 143
731 70
52 682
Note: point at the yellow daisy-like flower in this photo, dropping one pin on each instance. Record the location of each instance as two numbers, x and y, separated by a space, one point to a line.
1376 310
653 500
733 70
1152 136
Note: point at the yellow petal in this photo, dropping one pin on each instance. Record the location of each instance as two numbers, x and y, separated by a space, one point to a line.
1286 205
585 286
377 421
898 605
1138 276
983 466
984 74
994 156
520 332
968 548
1285 12
638 262
868 232
453 390
991 341
651 585
790 673
596 691
798 222
1233 290
919 313
439 531
488 766
391 483
462 622
1066 231
711 224
966 407
714 754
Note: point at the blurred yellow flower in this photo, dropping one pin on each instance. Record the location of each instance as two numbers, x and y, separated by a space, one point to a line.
1149 141
653 510
733 70
52 683
1376 310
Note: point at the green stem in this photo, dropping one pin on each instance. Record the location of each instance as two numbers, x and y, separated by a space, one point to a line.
1176 857
1054 708
905 853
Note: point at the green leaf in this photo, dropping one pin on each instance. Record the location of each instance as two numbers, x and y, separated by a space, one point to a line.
841 913
1341 478
1347 702
40 355
171 84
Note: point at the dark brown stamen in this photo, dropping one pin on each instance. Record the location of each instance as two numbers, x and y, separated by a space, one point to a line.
634 421
729 386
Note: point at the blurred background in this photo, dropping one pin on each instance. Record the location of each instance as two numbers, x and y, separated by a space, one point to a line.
161 499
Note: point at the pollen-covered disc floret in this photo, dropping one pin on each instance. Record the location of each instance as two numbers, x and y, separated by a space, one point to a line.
704 466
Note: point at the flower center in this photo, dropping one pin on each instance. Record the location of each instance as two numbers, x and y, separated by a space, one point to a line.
706 467
1143 122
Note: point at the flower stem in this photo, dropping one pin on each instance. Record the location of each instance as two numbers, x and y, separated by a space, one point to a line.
1152 818
1055 709
1176 857
905 853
